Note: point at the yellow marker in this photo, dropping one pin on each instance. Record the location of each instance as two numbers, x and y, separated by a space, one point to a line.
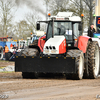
32 57
72 57
24 56
56 57
16 56
40 57
64 57
48 57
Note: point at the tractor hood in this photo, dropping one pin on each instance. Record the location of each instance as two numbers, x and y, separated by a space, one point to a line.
55 45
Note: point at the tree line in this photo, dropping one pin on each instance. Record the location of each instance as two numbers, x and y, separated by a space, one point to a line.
22 29
78 7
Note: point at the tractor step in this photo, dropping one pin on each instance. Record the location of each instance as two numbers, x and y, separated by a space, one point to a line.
45 64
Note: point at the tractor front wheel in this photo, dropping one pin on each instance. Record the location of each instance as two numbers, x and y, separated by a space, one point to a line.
79 64
30 52
29 75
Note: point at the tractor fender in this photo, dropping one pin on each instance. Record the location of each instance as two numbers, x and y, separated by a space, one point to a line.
83 42
41 42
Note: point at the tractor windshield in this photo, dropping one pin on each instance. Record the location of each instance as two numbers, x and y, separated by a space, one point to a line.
60 28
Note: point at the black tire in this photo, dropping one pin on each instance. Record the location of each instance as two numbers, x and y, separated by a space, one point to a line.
25 75
69 76
93 59
8 55
1 52
86 72
30 52
29 75
79 64
35 42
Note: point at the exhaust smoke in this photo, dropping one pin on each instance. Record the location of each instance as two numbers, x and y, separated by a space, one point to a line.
32 4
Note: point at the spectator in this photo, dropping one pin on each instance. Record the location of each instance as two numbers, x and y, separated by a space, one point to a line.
17 47
14 47
91 30
11 46
6 51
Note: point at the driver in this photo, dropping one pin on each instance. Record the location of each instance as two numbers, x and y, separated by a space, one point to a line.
61 29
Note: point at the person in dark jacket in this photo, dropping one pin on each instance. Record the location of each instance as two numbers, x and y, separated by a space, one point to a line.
91 30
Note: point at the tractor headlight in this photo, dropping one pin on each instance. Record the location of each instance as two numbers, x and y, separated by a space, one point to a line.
53 51
46 51
50 49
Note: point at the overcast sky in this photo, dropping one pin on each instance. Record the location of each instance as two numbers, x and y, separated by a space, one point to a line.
28 6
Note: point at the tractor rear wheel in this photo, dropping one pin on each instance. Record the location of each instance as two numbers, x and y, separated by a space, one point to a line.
93 59
86 72
1 52
79 64
30 52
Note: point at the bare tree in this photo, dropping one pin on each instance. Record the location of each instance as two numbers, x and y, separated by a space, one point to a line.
46 2
22 30
7 10
90 4
56 6
76 6
83 6
32 18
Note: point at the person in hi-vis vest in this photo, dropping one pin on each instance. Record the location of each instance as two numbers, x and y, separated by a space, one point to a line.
6 52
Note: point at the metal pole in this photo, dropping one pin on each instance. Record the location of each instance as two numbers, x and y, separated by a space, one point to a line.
90 12
81 12
47 9
52 27
81 8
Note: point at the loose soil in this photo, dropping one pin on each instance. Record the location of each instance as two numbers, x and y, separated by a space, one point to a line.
44 88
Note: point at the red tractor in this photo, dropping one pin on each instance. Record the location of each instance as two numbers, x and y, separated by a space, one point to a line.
63 50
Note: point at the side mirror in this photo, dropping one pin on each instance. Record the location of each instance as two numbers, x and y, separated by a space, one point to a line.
80 27
38 26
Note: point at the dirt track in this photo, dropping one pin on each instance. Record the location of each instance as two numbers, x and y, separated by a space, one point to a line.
17 88
6 63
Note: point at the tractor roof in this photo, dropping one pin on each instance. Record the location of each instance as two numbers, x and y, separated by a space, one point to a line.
66 16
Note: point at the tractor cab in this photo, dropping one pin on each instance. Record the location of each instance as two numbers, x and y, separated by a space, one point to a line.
66 28
63 25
